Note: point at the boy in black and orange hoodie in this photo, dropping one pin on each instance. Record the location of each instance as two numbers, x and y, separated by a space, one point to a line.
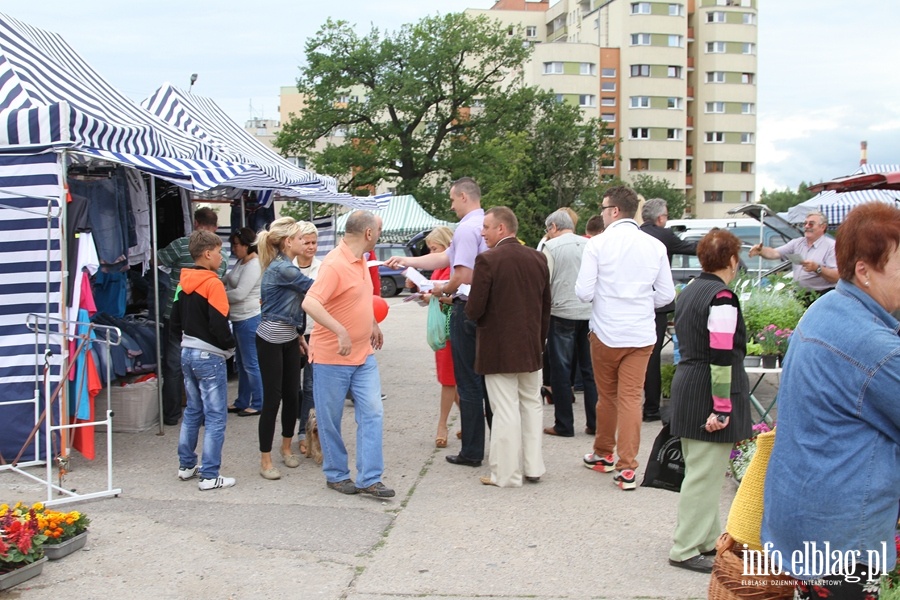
200 319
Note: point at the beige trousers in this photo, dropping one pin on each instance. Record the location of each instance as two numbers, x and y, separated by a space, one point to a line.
516 433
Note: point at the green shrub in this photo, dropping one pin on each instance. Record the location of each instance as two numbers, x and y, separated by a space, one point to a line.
667 373
773 303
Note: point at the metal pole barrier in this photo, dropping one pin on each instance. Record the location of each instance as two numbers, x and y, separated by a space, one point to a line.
154 242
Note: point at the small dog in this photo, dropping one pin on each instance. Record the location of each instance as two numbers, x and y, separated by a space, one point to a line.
313 446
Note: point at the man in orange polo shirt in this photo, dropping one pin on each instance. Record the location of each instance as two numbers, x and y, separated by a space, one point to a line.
342 355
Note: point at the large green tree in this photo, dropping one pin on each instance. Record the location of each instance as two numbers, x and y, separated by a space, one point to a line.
657 187
408 95
782 200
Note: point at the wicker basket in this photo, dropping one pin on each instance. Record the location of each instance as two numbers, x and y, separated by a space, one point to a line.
729 583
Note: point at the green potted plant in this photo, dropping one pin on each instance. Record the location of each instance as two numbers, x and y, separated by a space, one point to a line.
773 343
754 352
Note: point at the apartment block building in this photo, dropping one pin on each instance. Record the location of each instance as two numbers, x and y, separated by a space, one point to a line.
675 81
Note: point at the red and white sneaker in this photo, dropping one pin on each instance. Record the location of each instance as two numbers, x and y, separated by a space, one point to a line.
625 479
601 464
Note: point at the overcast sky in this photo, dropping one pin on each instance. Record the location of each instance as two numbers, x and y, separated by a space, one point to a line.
827 68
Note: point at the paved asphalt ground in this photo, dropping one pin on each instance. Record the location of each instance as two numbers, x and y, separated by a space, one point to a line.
573 535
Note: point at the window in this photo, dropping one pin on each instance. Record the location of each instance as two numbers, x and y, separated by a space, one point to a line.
715 16
715 137
587 100
748 78
553 68
673 103
713 196
746 138
715 47
675 41
676 10
673 164
607 163
611 132
673 134
639 133
715 107
746 197
748 48
715 166
715 77
608 86
640 8
607 101
640 102
674 72
639 164
746 167
748 108
640 70
640 39
608 117
531 31
560 98
588 69
608 73
748 18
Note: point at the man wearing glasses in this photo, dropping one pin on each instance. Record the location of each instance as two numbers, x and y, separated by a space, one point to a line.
817 270
625 274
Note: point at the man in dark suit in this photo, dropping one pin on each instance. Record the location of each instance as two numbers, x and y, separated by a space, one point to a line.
655 215
510 302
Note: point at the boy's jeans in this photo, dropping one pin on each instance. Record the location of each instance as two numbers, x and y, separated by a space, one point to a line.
206 384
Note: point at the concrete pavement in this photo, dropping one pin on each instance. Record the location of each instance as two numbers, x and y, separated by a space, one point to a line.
573 535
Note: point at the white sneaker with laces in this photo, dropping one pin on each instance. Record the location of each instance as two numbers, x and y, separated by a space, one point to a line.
185 474
218 482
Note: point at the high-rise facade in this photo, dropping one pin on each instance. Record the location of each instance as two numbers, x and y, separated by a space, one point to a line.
675 82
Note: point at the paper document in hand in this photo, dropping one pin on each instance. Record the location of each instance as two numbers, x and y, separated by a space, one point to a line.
794 258
464 289
374 263
419 280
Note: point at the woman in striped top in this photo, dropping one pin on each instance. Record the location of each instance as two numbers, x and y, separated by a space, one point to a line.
710 396
279 343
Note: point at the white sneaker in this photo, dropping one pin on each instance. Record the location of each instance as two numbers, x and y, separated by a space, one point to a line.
185 474
218 482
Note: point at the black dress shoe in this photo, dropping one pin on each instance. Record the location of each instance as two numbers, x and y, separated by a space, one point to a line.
459 459
650 417
699 563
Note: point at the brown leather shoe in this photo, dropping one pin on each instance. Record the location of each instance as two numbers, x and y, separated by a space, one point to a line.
552 431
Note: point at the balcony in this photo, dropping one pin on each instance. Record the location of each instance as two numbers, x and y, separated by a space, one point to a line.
690 34
690 63
689 151
690 93
690 123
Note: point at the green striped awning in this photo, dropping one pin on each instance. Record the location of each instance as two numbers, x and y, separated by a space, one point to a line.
403 218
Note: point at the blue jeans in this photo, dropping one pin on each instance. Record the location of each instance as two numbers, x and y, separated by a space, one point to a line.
469 384
567 342
206 384
330 386
250 386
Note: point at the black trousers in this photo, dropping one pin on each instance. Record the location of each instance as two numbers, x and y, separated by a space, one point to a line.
653 379
279 365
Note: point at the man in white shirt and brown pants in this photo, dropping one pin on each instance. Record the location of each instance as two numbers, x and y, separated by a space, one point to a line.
626 275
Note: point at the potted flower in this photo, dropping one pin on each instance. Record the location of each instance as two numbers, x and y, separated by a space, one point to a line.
773 343
21 545
890 583
66 532
743 451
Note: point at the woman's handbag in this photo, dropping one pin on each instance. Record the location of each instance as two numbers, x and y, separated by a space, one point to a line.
436 330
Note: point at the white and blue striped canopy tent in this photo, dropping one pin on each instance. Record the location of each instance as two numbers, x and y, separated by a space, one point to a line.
204 120
835 205
53 103
402 218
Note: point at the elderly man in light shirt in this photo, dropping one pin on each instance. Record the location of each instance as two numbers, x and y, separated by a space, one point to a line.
626 275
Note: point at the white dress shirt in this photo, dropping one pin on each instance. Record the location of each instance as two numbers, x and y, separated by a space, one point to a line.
626 274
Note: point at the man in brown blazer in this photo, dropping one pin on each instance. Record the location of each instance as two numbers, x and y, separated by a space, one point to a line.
510 301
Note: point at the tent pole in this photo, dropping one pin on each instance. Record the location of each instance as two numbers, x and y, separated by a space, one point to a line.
243 213
153 246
